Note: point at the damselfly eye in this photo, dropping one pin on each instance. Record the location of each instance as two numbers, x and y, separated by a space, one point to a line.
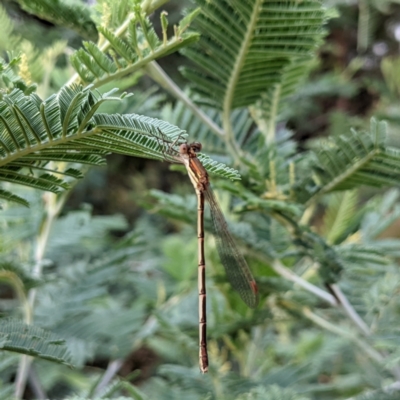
196 146
183 148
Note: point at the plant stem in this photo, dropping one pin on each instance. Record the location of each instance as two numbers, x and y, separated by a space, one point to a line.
350 311
158 75
286 273
112 369
280 269
347 307
370 351
154 70
379 357
234 151
271 128
35 385
53 205
359 323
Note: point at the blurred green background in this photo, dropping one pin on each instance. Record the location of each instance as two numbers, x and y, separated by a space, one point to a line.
120 271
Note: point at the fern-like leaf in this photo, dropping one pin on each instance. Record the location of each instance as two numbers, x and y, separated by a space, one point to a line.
349 161
6 29
242 124
8 196
272 102
246 46
126 53
9 78
33 341
217 168
75 16
339 214
67 127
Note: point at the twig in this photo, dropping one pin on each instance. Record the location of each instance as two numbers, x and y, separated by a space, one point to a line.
159 76
359 323
53 206
22 374
234 150
370 351
112 369
379 357
350 311
280 269
36 386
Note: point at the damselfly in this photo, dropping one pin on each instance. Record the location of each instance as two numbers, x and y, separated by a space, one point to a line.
234 263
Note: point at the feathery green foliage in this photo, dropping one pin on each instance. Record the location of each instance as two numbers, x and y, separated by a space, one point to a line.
340 210
32 341
246 48
70 14
6 31
128 53
66 128
9 77
349 161
310 217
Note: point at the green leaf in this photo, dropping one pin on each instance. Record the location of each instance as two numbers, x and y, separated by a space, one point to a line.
67 127
147 31
274 100
187 20
348 161
74 16
243 127
101 59
5 195
245 47
126 52
31 340
121 47
217 168
340 212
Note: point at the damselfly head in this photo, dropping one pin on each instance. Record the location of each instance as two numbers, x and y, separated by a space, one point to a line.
190 149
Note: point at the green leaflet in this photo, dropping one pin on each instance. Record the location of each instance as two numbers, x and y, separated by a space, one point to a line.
33 341
36 135
348 161
75 16
125 53
246 47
